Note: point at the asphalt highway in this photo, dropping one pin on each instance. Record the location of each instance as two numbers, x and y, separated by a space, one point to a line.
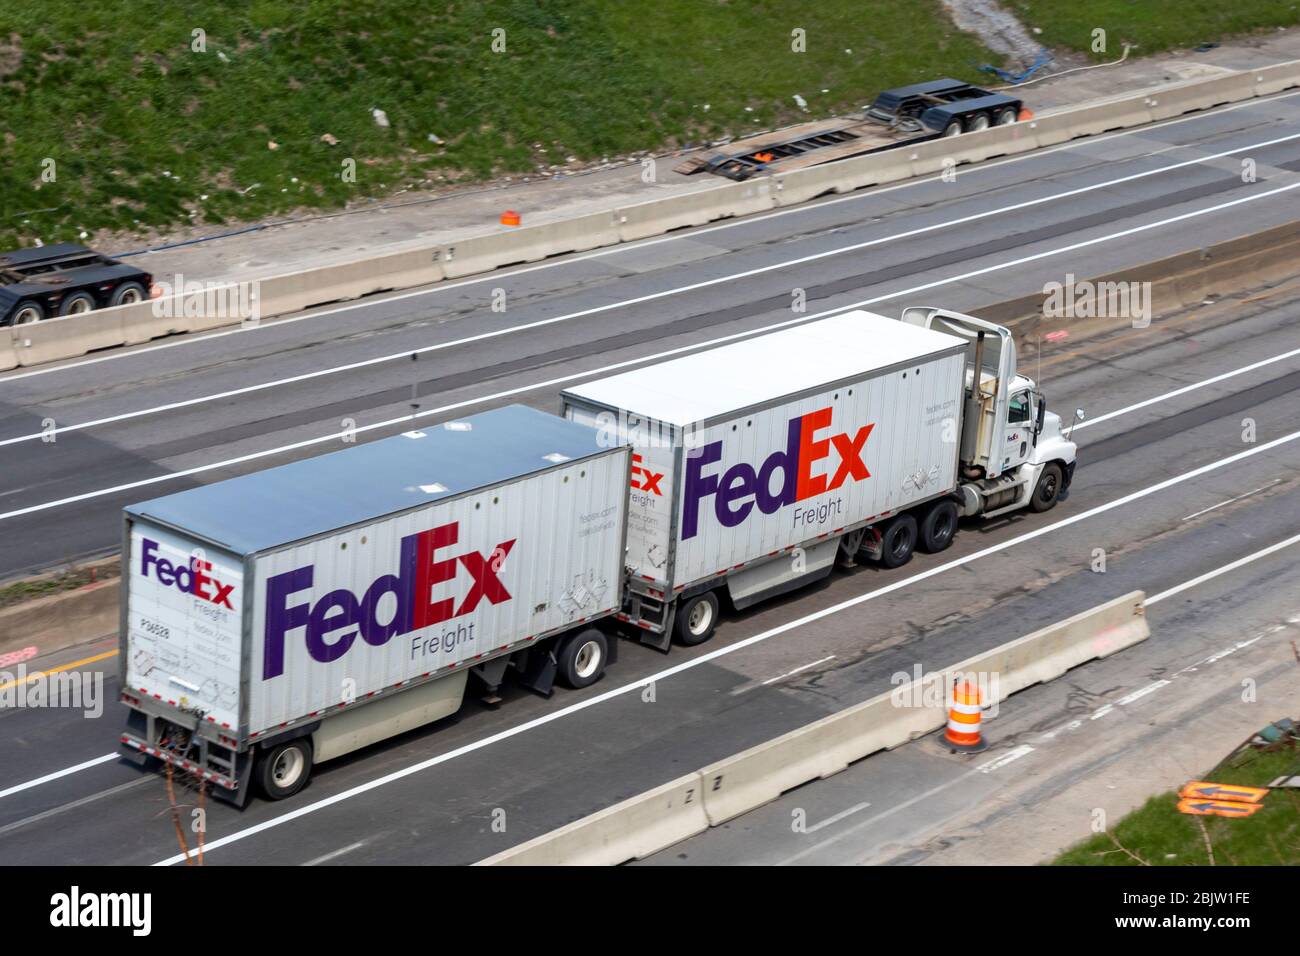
1163 441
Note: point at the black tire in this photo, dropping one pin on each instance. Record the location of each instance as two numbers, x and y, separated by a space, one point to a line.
952 129
938 526
283 770
1007 117
581 658
79 303
27 312
697 616
977 122
127 293
898 541
1048 489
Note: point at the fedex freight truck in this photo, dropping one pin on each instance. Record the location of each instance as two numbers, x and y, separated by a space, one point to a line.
757 465
284 618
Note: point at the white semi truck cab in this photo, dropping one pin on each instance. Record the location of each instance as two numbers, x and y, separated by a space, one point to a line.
1013 453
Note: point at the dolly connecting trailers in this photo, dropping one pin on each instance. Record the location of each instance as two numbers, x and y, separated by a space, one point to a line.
290 616
757 464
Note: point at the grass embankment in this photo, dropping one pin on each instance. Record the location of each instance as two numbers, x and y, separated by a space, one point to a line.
147 132
1158 835
1152 25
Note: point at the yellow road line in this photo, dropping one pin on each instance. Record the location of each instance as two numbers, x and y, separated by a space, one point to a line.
54 670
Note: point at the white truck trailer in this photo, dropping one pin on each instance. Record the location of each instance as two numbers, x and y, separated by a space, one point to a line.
281 619
756 465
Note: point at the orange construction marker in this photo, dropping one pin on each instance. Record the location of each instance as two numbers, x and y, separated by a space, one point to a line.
963 733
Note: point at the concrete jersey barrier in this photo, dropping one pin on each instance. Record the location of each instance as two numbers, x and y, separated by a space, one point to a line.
629 830
747 780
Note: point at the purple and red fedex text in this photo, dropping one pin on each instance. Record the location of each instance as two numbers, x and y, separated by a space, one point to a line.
332 624
806 466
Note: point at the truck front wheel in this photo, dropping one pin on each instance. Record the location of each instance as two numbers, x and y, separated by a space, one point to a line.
696 618
582 658
283 770
898 542
1048 488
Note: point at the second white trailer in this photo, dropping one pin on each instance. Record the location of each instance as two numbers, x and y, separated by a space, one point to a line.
756 462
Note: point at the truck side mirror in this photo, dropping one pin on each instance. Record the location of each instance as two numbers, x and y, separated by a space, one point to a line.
1042 412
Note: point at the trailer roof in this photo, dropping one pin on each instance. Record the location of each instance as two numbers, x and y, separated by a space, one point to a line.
702 386
315 496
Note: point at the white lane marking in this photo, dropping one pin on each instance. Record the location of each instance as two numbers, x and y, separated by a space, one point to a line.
1101 712
335 854
1205 511
1001 761
498 275
804 667
1212 380
843 814
740 645
75 804
66 771
998 267
625 303
1210 575
1142 692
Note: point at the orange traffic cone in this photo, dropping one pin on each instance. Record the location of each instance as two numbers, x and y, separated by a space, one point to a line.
510 218
1025 114
963 733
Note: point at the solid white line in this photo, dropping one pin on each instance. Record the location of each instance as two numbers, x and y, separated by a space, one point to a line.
1211 575
1205 511
720 652
1185 389
797 670
838 817
66 771
857 196
649 297
1142 692
307 443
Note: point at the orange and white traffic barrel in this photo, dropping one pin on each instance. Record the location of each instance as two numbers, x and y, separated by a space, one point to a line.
963 733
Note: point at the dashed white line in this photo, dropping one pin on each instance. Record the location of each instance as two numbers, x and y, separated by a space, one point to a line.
66 771
797 670
843 814
1205 511
997 763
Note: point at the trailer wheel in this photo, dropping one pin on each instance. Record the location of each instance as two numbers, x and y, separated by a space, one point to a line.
28 312
898 542
128 293
283 770
79 303
582 657
953 128
696 618
1007 116
978 122
1048 488
938 526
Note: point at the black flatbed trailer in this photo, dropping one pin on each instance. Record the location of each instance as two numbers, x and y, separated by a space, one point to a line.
903 116
65 279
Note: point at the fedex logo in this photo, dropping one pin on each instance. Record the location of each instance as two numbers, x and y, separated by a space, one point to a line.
332 624
803 475
643 479
191 578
